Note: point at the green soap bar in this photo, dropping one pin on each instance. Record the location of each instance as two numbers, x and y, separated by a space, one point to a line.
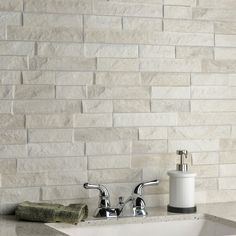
51 213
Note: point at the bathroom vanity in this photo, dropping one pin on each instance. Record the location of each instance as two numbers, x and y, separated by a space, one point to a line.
216 219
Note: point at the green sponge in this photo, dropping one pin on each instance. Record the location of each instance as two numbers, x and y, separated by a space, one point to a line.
51 213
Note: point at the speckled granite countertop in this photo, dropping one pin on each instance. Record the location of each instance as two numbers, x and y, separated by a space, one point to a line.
10 227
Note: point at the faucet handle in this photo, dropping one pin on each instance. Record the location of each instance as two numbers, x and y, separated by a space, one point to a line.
121 200
104 194
138 189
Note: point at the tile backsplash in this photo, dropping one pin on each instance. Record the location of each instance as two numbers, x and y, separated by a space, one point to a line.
106 91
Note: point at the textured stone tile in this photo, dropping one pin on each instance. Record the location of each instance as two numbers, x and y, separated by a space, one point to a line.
149 146
13 63
205 158
101 92
10 77
74 78
24 180
3 32
131 105
213 106
112 64
194 145
165 79
234 132
58 6
137 23
225 28
196 118
16 195
170 106
52 20
170 65
115 175
108 162
127 9
49 135
92 120
17 136
149 37
198 132
70 92
78 176
97 106
157 51
102 22
7 166
227 157
227 170
171 92
194 52
8 151
141 1
180 2
108 50
64 192
12 121
50 164
162 161
213 92
117 78
227 144
60 49
225 53
38 77
55 149
11 5
214 14
144 119
105 134
61 63
178 12
49 121
207 171
16 48
225 40
6 92
219 66
206 184
5 107
108 148
34 92
227 183
153 133
214 79
190 26
44 34
230 4
47 106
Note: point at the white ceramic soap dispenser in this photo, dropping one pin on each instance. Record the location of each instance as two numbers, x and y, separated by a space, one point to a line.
182 187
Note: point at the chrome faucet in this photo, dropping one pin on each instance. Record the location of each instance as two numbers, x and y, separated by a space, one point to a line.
104 206
138 203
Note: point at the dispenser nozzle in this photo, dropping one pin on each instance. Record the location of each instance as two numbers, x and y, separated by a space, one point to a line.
182 166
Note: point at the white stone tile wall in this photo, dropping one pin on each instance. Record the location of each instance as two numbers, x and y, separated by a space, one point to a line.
106 91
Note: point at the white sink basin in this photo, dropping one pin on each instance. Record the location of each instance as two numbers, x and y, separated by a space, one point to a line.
192 227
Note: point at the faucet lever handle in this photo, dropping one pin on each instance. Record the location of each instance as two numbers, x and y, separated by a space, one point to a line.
121 200
104 194
139 188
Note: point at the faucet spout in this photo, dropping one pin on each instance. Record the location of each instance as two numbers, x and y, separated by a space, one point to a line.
139 188
138 203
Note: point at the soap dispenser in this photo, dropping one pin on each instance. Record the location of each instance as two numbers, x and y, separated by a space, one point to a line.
182 187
